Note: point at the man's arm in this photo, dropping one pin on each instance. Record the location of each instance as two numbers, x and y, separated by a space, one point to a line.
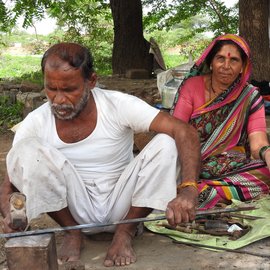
183 207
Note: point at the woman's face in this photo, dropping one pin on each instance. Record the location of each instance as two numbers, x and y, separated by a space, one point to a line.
226 65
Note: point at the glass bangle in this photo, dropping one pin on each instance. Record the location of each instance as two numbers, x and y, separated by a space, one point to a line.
262 151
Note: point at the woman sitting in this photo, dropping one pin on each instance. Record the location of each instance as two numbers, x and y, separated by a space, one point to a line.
229 115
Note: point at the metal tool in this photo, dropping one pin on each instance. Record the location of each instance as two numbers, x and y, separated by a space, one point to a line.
125 221
237 215
17 202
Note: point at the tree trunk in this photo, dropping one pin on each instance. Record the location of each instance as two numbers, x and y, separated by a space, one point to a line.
130 49
253 19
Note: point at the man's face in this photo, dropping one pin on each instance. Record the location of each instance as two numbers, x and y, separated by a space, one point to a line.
66 89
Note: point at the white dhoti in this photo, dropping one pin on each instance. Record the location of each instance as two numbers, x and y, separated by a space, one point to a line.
51 183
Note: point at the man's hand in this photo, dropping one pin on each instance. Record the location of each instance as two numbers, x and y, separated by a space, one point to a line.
183 207
7 226
12 208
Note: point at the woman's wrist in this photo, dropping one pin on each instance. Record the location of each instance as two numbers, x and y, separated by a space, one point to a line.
267 155
263 151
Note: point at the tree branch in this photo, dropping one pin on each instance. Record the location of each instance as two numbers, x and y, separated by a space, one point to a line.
214 6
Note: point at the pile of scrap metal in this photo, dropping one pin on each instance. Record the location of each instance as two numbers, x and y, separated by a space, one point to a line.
229 224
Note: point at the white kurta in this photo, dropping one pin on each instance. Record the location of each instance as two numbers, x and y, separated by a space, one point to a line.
97 178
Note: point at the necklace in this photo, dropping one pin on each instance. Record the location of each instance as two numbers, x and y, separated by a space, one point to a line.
212 90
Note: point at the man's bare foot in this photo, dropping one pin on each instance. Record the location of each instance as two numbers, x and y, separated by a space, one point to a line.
120 252
70 249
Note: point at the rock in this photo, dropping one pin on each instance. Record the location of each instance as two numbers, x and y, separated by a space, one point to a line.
137 74
23 87
31 100
30 87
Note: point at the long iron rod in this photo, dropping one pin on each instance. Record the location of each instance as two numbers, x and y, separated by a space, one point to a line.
125 221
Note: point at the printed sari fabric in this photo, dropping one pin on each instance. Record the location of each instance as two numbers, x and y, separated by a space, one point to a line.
228 171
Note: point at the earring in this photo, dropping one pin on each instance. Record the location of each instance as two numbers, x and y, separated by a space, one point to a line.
211 68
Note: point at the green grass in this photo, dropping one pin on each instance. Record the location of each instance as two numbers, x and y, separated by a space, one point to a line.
27 68
10 113
18 68
173 60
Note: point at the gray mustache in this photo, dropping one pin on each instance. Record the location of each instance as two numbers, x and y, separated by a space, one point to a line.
62 107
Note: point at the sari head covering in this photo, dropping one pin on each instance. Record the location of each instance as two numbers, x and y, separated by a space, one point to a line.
201 67
234 102
227 171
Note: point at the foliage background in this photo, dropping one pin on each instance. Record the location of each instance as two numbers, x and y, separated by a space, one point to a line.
181 24
180 27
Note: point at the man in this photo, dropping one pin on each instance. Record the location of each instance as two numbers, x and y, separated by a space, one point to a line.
72 158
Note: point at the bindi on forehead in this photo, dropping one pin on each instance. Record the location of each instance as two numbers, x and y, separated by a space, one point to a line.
229 54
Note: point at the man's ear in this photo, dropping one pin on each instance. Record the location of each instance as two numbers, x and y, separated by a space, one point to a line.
92 80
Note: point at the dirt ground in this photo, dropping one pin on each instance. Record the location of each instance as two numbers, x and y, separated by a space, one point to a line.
154 252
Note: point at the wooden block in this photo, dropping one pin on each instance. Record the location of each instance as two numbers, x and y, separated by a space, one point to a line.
32 252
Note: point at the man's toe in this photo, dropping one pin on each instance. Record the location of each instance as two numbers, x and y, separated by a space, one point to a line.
128 261
108 262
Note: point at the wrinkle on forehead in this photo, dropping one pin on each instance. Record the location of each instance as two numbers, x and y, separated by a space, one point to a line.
56 63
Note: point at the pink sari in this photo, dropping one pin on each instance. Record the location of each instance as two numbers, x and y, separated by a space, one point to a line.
228 171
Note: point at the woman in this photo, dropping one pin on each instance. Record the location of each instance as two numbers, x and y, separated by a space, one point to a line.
229 115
